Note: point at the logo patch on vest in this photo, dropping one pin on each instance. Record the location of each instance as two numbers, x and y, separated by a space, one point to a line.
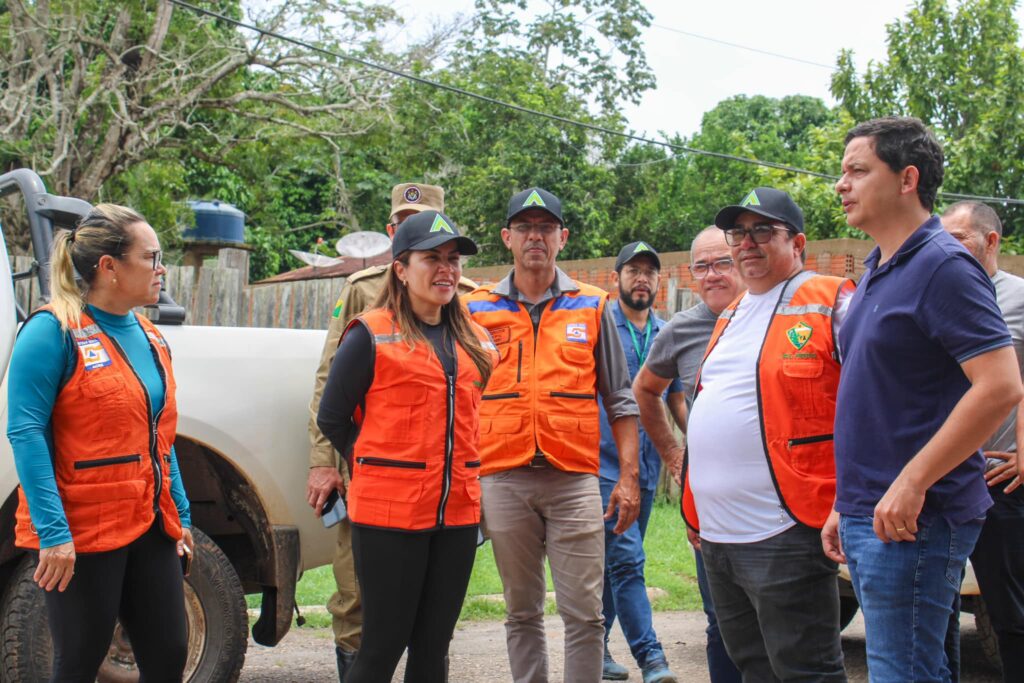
799 335
576 332
93 354
156 338
501 335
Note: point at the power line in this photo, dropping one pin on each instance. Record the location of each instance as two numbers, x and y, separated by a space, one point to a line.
533 112
740 46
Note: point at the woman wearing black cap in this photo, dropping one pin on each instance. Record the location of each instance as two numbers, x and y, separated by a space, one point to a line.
402 403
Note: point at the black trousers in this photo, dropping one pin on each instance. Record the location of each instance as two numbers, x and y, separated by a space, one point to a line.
412 585
142 584
998 561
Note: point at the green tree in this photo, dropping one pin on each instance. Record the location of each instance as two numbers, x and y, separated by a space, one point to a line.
961 71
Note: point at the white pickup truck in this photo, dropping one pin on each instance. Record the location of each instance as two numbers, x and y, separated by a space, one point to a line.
242 446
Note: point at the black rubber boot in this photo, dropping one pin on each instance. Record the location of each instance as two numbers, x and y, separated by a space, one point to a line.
345 659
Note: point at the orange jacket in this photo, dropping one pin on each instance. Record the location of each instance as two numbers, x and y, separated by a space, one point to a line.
797 381
415 462
543 394
112 457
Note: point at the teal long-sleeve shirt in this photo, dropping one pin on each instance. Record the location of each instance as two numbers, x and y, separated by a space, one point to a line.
41 362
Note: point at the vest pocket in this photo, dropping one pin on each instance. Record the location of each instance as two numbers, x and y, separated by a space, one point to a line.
105 513
812 455
577 363
390 462
802 387
103 462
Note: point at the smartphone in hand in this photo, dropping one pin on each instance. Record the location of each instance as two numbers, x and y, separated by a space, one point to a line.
186 561
333 510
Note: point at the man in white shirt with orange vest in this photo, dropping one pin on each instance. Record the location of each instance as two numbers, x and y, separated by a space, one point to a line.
539 441
759 474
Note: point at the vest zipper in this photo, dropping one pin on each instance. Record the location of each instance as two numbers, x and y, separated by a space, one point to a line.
154 456
388 462
566 394
449 447
519 364
103 462
494 397
803 441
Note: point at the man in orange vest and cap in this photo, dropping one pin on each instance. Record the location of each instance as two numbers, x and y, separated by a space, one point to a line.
539 441
759 478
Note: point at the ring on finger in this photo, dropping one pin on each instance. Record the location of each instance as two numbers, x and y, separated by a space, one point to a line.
901 528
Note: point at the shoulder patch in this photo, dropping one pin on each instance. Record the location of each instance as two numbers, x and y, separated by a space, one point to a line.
338 306
372 271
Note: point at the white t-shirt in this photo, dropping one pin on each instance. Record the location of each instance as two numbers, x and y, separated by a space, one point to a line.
728 467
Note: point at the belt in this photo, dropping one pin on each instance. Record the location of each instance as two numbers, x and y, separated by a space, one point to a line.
538 462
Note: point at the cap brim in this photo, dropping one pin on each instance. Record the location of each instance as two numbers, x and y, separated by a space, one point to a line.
467 247
531 208
420 206
726 218
639 254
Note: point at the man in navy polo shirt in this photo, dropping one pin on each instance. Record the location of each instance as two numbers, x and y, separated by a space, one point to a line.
928 374
637 275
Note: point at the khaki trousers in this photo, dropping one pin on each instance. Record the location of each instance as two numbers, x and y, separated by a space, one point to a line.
345 604
530 513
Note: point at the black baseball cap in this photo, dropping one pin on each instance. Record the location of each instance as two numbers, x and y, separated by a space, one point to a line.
635 250
429 230
767 202
534 198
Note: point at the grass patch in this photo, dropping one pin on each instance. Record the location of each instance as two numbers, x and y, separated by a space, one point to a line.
669 567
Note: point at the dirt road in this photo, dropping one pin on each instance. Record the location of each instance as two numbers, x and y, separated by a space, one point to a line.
478 653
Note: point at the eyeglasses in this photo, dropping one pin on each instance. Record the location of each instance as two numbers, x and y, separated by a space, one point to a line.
633 271
157 257
543 228
760 233
722 266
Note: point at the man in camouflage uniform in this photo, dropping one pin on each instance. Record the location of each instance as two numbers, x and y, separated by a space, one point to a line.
329 472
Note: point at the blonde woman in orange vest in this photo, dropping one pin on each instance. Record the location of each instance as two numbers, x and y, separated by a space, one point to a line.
92 423
402 402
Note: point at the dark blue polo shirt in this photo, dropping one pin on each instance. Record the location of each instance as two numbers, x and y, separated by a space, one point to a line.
912 322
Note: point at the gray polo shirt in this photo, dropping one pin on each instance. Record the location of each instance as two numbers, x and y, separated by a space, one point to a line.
1010 298
679 348
612 375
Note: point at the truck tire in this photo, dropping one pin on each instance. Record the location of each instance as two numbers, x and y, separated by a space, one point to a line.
986 634
215 611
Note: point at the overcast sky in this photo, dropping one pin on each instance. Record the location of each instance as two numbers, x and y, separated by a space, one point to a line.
694 74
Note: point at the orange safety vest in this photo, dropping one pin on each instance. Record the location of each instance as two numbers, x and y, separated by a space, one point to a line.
416 462
108 447
542 397
797 381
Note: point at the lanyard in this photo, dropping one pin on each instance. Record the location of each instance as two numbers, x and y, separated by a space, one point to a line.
641 351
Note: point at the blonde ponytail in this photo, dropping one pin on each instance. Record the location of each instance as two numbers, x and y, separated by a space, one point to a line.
102 232
65 295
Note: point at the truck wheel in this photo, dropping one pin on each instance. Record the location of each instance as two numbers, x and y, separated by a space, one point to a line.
986 634
214 608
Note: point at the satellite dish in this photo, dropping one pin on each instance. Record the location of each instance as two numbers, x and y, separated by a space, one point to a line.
315 260
365 244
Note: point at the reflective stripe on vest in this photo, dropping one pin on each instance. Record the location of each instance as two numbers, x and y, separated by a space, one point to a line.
415 463
543 394
111 454
797 382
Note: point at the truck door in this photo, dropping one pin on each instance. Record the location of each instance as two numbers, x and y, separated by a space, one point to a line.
8 310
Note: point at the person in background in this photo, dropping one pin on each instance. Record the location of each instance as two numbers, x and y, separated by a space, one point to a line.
675 355
929 374
92 424
998 557
327 470
637 275
406 384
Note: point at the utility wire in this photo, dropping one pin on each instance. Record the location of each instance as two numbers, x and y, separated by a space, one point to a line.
533 112
739 46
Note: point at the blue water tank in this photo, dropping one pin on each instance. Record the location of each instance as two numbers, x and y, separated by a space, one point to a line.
216 221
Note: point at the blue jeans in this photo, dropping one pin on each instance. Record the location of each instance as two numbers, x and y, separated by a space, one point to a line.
720 667
909 594
777 604
625 591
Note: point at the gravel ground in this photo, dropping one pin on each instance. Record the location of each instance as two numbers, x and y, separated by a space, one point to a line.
478 654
